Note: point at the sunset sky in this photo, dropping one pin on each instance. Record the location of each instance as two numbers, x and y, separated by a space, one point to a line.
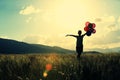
48 21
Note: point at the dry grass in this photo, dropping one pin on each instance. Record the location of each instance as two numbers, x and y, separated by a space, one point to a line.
64 67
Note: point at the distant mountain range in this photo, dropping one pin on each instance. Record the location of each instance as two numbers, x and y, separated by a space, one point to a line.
8 46
106 50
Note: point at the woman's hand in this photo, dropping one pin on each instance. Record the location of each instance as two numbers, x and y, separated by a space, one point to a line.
67 35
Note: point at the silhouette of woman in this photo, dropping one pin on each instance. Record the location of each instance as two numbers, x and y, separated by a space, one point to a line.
79 42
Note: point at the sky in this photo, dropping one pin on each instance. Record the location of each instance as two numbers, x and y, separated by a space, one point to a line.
48 21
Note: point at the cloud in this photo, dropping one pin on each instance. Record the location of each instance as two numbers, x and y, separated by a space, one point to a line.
4 37
112 27
109 38
32 39
109 19
118 19
107 35
98 19
112 37
105 19
29 10
39 39
51 40
29 19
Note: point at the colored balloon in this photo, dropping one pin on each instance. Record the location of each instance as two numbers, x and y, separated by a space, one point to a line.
90 25
88 33
87 23
94 31
89 28
86 28
93 25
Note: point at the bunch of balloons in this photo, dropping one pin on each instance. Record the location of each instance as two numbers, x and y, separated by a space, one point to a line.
90 28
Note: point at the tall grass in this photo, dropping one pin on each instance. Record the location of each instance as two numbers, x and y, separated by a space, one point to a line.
64 67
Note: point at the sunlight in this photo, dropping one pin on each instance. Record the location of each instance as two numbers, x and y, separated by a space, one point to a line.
67 16
70 13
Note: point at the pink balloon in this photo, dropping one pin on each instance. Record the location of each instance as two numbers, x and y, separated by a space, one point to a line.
93 25
87 23
90 27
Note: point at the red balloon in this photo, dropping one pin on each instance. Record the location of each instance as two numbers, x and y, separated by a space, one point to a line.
89 28
93 25
86 28
94 31
87 23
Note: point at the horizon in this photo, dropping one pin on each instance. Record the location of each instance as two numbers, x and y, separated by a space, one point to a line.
106 50
47 22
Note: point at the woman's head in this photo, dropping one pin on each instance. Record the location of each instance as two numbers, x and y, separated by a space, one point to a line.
79 32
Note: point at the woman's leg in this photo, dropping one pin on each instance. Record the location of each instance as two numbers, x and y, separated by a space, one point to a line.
79 50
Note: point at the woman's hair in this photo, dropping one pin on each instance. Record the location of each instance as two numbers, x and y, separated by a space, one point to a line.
79 32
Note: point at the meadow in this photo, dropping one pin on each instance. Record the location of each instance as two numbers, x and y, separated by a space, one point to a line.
60 67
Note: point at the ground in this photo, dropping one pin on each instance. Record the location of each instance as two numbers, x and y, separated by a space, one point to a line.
60 67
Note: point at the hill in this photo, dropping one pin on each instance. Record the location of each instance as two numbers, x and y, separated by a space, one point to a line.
106 50
8 46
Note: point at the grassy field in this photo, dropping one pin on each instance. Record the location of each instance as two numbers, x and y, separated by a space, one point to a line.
62 67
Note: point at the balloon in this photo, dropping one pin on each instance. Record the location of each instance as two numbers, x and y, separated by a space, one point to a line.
86 28
93 25
90 25
88 33
87 23
94 31
89 28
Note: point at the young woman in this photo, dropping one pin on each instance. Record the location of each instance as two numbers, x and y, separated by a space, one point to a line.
79 42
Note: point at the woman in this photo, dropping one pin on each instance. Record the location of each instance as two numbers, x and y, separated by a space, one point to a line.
79 42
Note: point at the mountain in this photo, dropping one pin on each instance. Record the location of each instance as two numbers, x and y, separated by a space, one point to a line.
106 50
92 52
8 46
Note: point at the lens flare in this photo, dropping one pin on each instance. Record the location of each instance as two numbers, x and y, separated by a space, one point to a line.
45 74
48 67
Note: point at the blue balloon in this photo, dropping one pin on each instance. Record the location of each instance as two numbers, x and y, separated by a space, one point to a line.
88 33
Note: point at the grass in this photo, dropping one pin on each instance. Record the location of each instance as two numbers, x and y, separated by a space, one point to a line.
64 67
